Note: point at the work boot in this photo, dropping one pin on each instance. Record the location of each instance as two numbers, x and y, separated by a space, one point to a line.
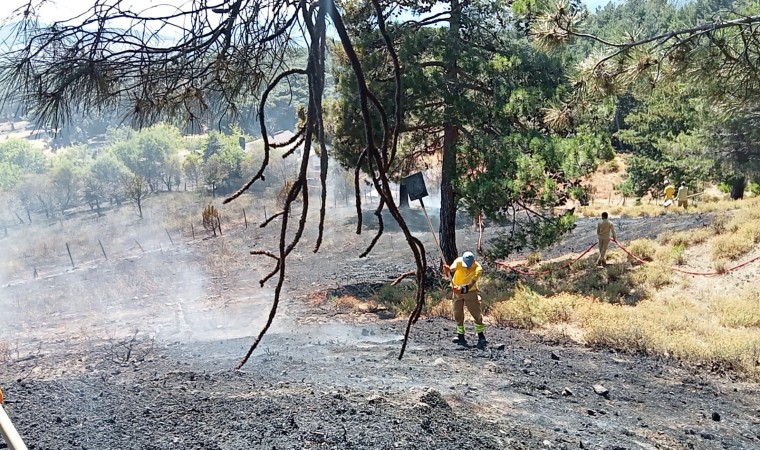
460 340
482 341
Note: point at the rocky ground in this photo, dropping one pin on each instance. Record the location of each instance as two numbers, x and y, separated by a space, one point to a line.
78 376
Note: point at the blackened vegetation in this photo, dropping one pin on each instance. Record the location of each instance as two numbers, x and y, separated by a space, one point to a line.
225 53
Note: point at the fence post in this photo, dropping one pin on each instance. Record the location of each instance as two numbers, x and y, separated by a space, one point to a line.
170 236
192 229
70 258
103 250
138 244
245 219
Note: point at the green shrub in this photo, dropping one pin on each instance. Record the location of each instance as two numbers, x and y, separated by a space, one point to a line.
678 254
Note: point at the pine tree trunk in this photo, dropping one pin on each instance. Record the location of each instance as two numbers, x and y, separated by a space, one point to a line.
738 184
448 211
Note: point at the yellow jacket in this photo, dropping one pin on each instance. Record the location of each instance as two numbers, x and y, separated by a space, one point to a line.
670 190
683 193
466 275
604 229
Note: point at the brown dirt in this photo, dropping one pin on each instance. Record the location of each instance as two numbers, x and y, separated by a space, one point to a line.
602 184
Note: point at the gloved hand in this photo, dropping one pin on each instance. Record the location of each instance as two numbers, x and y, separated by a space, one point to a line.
464 289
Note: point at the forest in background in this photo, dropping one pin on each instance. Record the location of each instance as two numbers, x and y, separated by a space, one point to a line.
530 129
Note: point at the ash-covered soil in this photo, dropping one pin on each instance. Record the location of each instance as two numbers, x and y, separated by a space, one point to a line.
149 364
337 385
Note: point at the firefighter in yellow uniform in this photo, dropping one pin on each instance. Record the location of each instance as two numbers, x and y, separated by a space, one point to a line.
604 230
670 191
683 195
467 271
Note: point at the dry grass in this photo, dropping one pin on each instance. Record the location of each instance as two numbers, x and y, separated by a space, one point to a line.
671 255
610 167
699 236
529 310
5 352
720 266
441 309
731 246
653 276
534 258
717 330
346 302
719 225
707 204
685 238
736 235
679 329
718 334
750 230
738 312
350 303
317 298
369 306
678 254
643 248
659 312
525 310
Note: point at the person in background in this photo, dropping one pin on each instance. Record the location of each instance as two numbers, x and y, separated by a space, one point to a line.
604 231
683 195
467 271
670 191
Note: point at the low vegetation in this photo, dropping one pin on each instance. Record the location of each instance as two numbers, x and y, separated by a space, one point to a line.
628 306
644 307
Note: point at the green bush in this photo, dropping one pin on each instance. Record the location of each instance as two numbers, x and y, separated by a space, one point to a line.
678 254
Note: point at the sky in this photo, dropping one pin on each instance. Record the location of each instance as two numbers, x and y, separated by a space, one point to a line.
53 9
593 4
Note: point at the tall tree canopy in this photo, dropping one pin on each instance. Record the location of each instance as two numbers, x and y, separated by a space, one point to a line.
473 92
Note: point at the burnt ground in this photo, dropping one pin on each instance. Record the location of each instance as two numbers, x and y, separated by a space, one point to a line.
76 378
